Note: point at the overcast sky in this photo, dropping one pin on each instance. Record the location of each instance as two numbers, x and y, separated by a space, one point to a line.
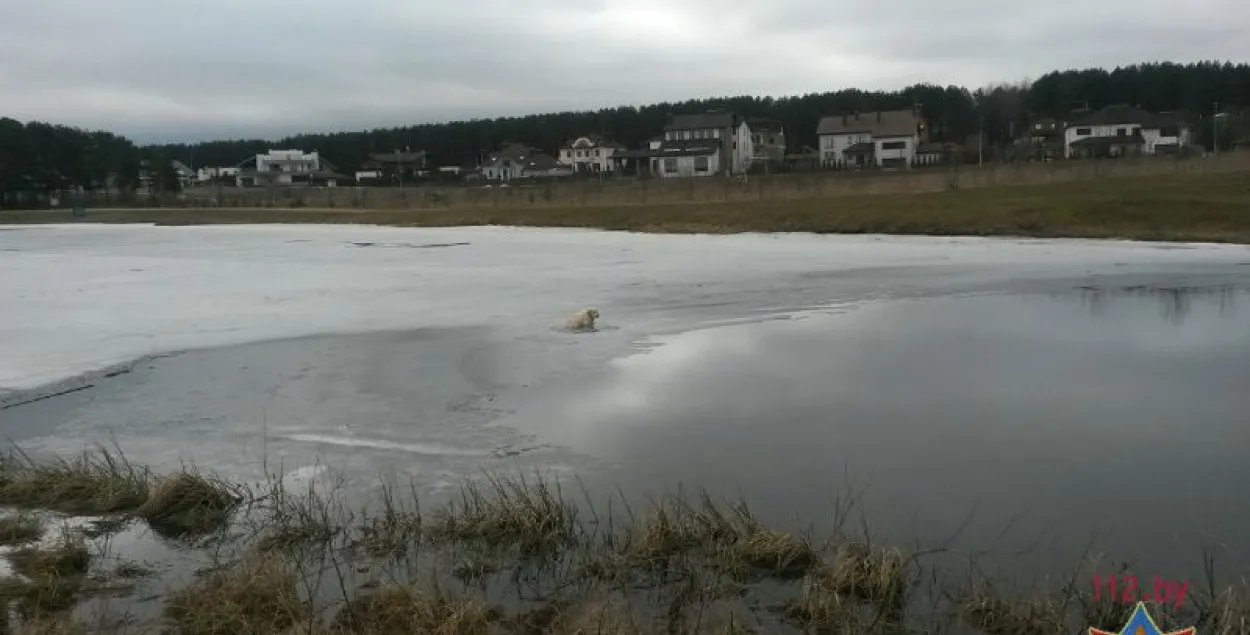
160 70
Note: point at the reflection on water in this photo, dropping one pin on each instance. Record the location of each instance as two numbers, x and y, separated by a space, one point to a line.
1174 302
1112 415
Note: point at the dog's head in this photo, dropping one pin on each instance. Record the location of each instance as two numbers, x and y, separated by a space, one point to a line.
593 313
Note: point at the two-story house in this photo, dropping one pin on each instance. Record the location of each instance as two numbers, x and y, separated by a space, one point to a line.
883 138
1122 130
287 167
768 140
712 142
590 154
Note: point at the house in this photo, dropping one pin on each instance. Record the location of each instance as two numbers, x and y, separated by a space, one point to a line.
768 140
883 138
1123 130
186 176
590 154
393 166
288 167
519 161
703 144
934 153
203 175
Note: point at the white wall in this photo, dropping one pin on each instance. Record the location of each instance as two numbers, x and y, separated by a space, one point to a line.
685 166
1154 137
1070 134
505 170
588 157
907 152
743 148
833 145
288 161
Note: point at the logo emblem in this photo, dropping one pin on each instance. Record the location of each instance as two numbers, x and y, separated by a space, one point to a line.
1140 623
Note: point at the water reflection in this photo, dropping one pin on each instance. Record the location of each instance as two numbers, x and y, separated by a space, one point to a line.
1016 409
1175 303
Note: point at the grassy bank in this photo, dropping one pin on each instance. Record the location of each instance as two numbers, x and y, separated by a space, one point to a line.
507 555
1203 207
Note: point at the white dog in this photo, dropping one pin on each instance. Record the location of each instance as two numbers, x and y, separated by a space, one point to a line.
583 320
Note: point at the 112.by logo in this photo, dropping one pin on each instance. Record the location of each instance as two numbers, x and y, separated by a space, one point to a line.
1125 590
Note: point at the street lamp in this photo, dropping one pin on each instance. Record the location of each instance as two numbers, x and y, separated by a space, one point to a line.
1215 129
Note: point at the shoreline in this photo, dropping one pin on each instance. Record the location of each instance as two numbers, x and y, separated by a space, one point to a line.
1203 207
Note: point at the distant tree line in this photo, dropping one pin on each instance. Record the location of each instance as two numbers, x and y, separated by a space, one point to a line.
43 157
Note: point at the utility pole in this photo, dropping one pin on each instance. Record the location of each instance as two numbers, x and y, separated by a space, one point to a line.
981 144
1215 127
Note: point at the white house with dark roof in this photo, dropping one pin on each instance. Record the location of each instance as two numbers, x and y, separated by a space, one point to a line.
882 138
1122 130
726 130
519 161
590 154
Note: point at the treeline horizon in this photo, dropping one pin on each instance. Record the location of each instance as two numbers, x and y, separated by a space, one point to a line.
45 156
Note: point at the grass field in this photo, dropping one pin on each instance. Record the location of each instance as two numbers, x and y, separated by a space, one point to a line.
507 555
1200 207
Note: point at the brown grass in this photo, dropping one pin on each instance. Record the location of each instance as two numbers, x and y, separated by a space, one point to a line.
1170 205
256 595
1031 616
397 610
20 529
532 516
54 577
189 504
96 481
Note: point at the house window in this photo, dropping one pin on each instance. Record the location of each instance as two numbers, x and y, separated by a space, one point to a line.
1121 132
716 133
700 164
670 165
894 145
1169 131
596 151
1082 132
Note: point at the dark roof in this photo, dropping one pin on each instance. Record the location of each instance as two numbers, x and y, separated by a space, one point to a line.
701 121
595 141
889 123
1123 114
398 157
763 124
541 162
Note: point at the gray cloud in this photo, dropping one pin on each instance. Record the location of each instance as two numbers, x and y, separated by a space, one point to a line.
213 68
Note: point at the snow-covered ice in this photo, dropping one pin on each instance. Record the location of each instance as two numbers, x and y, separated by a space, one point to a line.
82 297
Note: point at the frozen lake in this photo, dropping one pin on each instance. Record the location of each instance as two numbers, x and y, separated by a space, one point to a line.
1072 388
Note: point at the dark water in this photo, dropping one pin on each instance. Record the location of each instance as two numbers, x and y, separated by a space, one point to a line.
1114 417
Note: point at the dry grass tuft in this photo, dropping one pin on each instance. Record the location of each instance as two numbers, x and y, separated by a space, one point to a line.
596 618
20 529
189 503
1034 616
532 516
68 557
777 553
1230 614
54 577
58 625
821 609
873 575
255 595
394 528
396 610
94 482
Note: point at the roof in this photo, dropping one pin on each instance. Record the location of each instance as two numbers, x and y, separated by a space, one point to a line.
595 140
763 124
1126 114
701 121
541 162
889 123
